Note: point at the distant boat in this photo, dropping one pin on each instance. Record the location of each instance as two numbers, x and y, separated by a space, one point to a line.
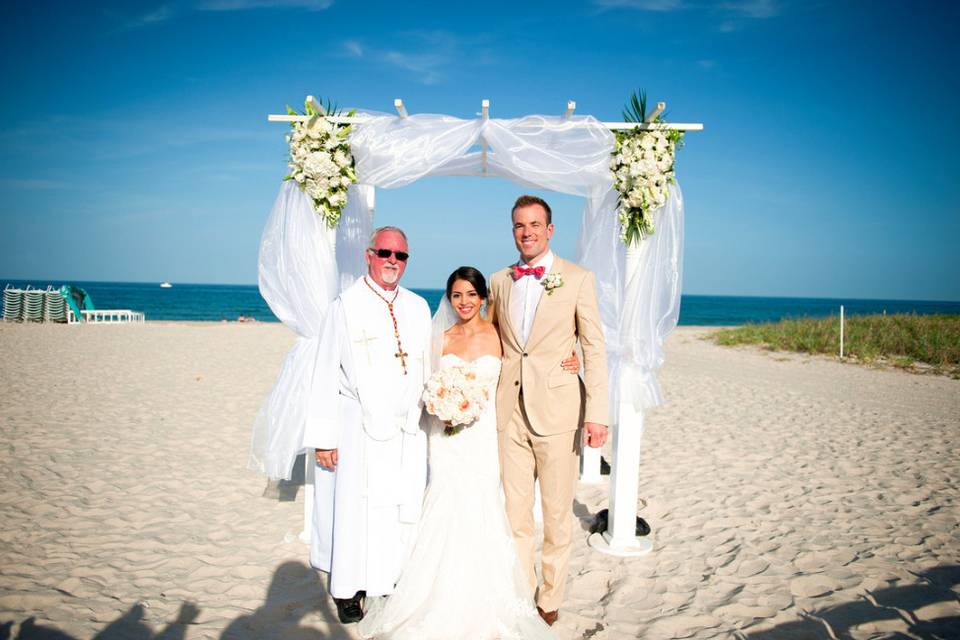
165 285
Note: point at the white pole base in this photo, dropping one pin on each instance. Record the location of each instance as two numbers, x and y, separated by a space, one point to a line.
629 548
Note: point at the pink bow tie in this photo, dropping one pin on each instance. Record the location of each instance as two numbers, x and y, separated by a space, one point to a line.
519 272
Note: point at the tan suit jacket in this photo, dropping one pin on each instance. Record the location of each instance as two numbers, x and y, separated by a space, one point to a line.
552 398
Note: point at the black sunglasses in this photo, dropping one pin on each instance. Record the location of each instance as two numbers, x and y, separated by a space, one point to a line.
386 253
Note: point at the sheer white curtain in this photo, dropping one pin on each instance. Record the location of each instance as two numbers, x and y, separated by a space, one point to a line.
298 279
566 155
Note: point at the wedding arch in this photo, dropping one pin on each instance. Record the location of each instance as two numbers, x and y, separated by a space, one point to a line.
306 259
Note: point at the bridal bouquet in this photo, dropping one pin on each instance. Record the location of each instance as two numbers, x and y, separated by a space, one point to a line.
642 166
321 162
456 395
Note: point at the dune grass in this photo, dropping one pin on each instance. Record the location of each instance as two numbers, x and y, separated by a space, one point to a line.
921 343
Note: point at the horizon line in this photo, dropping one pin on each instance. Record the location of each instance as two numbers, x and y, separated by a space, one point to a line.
703 295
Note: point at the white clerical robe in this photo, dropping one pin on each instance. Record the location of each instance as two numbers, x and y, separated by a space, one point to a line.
366 407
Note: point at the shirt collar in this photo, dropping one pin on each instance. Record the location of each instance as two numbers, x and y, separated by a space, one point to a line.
546 262
381 290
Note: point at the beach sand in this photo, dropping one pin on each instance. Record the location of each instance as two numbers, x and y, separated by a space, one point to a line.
789 496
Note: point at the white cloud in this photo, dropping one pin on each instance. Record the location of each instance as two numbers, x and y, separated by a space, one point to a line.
167 12
642 5
753 8
353 48
154 17
731 13
244 5
426 55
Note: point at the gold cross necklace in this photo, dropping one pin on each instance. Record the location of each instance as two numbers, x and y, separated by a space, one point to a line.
396 331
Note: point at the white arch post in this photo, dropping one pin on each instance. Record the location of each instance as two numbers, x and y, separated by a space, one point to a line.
620 538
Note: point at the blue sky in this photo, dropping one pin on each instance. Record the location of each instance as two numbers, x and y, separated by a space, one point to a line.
134 144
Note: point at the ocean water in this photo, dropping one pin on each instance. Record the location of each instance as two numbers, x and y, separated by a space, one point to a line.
227 302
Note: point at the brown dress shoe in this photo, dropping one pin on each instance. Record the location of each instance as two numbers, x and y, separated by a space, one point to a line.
548 616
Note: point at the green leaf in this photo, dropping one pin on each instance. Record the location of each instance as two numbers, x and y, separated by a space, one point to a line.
291 111
636 107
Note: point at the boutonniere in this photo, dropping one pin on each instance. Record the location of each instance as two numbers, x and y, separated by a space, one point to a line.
550 282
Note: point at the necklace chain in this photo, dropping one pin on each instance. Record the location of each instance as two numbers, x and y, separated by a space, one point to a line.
401 354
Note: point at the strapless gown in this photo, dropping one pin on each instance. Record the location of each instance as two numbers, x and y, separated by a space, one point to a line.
463 579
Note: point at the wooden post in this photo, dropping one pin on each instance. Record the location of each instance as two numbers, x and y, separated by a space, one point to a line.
841 332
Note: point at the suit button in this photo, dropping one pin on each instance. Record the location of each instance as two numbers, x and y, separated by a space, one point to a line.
516 383
525 355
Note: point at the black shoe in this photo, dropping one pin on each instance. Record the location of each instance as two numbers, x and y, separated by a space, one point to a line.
349 609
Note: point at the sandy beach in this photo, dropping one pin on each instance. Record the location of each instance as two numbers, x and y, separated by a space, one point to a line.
789 496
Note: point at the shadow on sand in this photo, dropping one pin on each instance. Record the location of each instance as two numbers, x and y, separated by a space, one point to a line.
898 605
295 592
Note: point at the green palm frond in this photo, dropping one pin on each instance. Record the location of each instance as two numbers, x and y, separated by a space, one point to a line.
636 108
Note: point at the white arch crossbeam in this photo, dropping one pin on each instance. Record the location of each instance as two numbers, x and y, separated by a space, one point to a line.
649 125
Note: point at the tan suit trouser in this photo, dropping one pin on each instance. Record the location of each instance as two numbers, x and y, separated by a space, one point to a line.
525 457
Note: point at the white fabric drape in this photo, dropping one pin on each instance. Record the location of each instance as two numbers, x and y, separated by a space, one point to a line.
298 279
566 155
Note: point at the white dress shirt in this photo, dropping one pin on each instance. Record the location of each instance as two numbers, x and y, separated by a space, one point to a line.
525 297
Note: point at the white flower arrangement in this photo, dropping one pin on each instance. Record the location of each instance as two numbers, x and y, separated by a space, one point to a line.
550 282
643 168
457 395
321 162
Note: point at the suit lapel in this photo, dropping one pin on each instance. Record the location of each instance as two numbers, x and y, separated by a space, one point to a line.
505 317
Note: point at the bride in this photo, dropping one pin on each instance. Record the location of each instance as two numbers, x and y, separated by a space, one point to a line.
462 579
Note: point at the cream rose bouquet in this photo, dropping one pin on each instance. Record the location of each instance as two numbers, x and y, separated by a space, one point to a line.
321 162
456 395
642 166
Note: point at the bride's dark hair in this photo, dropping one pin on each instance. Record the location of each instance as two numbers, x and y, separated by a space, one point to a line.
471 275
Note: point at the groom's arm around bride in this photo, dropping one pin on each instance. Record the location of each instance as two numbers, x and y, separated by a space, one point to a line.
543 305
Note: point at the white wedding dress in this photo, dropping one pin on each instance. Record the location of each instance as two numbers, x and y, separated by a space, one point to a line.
463 579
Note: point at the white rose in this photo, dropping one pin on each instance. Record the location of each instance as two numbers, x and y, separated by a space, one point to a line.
318 127
314 190
341 158
320 164
647 141
345 181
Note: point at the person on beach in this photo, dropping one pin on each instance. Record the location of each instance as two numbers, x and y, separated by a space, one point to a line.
364 427
543 306
463 580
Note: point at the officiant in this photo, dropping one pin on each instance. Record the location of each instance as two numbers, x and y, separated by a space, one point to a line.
364 426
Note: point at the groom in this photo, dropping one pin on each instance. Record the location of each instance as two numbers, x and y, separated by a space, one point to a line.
543 305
